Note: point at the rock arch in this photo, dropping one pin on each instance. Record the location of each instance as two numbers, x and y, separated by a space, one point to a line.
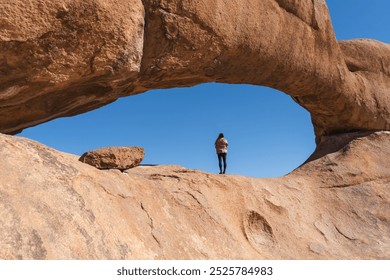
68 57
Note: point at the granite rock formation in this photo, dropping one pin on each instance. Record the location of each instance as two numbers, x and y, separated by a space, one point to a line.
67 57
121 158
62 57
52 206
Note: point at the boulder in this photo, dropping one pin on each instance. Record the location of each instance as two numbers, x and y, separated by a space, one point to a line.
121 158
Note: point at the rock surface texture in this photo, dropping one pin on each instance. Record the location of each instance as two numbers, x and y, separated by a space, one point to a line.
64 57
67 57
121 158
52 206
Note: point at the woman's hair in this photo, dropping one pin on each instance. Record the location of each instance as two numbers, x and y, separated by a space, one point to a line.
219 137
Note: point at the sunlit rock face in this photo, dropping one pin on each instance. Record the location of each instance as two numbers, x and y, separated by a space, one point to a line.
120 158
52 206
61 58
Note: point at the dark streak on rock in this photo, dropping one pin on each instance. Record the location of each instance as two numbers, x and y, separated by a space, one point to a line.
35 243
151 225
347 237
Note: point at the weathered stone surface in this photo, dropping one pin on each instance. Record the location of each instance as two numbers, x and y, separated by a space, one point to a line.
114 157
67 57
64 57
52 206
60 58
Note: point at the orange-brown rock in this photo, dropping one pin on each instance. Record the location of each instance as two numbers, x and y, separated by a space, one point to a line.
121 158
67 57
52 206
64 57
61 58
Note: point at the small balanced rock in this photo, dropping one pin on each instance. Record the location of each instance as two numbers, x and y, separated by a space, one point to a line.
121 158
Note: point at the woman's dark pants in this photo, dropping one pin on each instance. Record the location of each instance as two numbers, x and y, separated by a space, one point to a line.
222 157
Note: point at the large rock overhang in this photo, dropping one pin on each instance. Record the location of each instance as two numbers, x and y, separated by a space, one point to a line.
62 58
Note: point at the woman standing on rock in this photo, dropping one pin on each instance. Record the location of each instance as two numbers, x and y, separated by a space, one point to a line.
221 145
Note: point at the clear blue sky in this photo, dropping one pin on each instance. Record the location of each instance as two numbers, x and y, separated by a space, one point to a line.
269 134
